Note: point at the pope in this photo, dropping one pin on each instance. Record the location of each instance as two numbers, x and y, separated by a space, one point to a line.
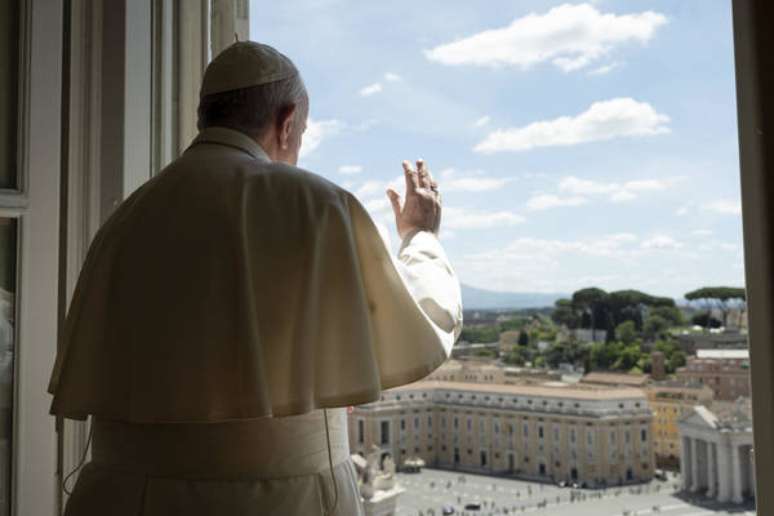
233 305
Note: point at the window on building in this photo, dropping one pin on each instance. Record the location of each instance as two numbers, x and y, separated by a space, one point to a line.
385 432
643 435
402 424
360 431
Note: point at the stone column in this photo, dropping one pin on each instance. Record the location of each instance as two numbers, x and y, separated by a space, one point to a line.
685 462
711 467
736 466
725 477
695 484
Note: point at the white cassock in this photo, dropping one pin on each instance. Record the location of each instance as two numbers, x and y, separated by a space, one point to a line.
220 308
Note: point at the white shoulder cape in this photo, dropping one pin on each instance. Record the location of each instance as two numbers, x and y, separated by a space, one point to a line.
232 287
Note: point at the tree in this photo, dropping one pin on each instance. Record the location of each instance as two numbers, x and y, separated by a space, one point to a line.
592 303
672 314
630 305
676 360
654 326
523 338
476 334
626 332
706 320
517 356
721 298
565 313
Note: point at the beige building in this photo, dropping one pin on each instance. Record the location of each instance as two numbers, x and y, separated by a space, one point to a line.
616 379
471 370
596 436
670 400
725 371
717 459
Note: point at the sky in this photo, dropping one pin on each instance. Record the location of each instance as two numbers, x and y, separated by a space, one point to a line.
575 144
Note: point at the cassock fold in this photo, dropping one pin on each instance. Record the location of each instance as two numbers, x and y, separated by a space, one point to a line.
232 287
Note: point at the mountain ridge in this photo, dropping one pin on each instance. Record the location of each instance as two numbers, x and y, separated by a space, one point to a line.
474 298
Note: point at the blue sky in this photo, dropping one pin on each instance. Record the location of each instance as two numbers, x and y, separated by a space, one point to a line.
575 144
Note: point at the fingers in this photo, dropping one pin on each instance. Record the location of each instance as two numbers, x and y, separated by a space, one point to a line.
394 201
412 179
423 174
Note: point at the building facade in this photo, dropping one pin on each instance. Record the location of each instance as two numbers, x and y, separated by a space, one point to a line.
551 432
469 371
717 458
725 371
670 401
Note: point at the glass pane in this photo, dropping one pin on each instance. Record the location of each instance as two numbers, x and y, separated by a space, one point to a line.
9 92
8 235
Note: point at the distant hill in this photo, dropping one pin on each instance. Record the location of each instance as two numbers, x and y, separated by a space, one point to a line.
478 298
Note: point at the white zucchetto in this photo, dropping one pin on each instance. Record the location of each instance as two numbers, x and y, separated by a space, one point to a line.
245 64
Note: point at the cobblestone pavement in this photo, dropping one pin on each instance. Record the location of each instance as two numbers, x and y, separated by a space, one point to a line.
427 492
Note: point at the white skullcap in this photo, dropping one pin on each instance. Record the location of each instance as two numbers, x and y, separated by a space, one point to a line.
245 64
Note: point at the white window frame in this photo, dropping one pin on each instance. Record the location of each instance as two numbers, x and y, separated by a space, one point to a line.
36 204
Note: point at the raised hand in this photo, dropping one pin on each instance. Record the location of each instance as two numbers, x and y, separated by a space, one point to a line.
421 210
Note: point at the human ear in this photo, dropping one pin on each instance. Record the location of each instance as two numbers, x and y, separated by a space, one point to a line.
285 122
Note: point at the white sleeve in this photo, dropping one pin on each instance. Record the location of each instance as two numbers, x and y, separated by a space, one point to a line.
431 280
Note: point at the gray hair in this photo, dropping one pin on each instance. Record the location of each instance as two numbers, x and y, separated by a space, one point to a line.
254 109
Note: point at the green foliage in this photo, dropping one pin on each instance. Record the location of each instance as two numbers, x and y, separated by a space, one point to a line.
676 360
565 352
539 361
627 358
565 313
671 314
516 323
523 338
720 296
517 356
673 355
626 332
706 320
476 334
655 326
719 293
485 353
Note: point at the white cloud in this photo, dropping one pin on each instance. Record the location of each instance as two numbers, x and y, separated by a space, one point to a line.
371 89
571 37
682 210
463 218
724 207
546 201
602 121
661 242
316 132
604 69
469 181
377 205
350 169
481 122
392 77
616 192
611 245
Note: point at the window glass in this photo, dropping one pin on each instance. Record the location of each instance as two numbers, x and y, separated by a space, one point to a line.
9 91
8 240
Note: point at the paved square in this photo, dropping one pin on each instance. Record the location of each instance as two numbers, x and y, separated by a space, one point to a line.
427 492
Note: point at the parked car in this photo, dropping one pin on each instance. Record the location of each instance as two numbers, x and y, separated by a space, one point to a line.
446 510
473 506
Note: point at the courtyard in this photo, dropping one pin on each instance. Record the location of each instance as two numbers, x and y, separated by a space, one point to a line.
429 491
